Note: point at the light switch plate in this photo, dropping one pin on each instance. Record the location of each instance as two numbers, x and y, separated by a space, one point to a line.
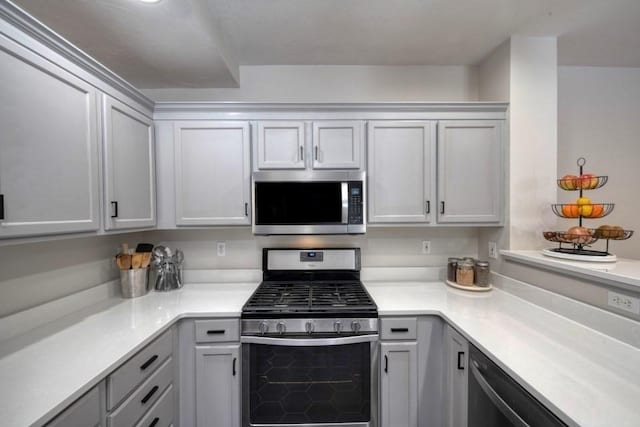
493 250
426 247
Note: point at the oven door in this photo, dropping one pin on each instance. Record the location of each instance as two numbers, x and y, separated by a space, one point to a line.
302 381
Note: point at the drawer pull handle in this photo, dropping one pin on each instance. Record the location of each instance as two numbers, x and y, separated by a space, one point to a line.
428 206
148 363
442 207
114 205
386 364
400 330
1 207
154 422
233 369
150 394
460 355
216 332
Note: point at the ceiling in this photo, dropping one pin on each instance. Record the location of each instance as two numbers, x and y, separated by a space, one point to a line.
201 43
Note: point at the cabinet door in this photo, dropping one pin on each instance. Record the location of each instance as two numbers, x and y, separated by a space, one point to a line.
401 157
457 356
470 169
281 145
218 385
212 173
129 167
337 144
48 148
399 385
86 411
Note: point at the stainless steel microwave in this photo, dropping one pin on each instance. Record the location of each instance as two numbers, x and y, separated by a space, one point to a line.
308 202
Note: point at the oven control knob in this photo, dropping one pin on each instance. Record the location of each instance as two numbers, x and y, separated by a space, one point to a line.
309 327
263 327
337 326
355 326
281 327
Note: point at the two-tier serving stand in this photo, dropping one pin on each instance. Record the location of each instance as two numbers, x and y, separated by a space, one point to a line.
575 246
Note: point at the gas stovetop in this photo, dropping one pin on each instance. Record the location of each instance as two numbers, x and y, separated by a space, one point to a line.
310 298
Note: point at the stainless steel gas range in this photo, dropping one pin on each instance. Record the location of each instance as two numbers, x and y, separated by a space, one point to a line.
310 342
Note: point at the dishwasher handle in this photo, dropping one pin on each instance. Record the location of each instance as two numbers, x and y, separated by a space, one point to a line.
498 401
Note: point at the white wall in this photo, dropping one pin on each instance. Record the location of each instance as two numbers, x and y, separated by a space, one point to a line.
332 83
599 119
493 75
35 273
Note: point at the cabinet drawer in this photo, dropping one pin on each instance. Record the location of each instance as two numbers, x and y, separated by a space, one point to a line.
143 398
136 369
161 413
84 412
398 328
217 330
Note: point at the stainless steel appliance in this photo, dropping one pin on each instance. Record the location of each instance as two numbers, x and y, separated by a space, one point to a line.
310 342
497 400
309 202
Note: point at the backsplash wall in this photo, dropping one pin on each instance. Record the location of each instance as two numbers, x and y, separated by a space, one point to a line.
381 247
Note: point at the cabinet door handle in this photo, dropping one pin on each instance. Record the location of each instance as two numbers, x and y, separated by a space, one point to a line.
316 152
114 206
441 207
148 363
246 209
154 422
1 207
386 364
233 368
428 207
216 332
301 152
460 356
393 330
148 396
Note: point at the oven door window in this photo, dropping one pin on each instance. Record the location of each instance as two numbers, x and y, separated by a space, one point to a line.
297 385
286 203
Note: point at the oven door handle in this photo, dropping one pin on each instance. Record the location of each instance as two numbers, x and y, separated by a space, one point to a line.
493 395
308 342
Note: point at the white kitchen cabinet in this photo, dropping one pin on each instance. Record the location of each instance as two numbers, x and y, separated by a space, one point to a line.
470 169
129 167
401 172
218 385
337 144
281 145
399 384
49 147
87 411
457 351
212 173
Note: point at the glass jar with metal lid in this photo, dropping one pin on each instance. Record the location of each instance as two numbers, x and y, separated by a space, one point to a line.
482 274
452 265
464 272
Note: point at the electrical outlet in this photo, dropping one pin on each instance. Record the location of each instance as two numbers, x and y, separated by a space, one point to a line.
222 248
493 250
426 247
624 302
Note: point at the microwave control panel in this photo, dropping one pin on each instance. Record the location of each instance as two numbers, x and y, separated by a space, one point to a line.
355 203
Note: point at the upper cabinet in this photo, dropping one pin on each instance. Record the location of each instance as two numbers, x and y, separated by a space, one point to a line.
401 171
49 147
129 167
336 144
470 170
212 173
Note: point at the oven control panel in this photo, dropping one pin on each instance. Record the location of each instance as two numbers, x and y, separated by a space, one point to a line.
356 211
336 326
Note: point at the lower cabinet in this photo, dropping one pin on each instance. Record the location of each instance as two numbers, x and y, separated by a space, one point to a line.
457 351
88 411
218 385
399 384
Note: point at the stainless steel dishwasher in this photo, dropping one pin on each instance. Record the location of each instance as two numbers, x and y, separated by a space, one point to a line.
497 400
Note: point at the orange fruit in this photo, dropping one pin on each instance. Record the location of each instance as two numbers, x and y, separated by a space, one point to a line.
597 212
570 211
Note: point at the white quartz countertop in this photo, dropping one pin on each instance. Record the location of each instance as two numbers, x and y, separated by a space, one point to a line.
587 378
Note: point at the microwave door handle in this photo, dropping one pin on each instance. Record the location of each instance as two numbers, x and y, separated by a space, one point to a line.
345 202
